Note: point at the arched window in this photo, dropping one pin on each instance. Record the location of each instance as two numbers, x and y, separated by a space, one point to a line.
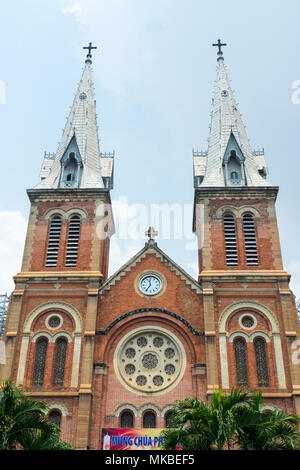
60 361
73 241
70 177
53 241
261 362
126 420
168 419
241 361
234 175
40 361
54 416
149 420
230 240
250 240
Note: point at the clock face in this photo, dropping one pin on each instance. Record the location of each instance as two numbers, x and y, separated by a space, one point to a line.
150 284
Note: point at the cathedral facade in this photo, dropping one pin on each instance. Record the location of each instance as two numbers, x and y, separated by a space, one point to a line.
112 352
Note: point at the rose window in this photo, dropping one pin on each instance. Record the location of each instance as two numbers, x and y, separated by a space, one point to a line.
149 361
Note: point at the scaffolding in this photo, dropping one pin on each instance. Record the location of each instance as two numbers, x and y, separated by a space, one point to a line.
3 311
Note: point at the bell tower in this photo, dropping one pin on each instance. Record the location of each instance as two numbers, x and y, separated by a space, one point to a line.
50 328
249 311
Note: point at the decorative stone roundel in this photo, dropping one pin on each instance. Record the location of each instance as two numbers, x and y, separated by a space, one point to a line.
149 361
247 321
54 321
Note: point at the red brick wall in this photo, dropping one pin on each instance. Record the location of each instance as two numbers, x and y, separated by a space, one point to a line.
39 249
263 226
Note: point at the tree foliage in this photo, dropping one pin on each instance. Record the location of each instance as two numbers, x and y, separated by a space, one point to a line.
24 423
232 421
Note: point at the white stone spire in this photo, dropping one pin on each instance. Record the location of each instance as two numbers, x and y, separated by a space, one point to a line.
228 136
80 140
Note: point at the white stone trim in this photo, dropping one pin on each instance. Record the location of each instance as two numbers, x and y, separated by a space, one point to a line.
224 361
58 406
125 407
165 409
53 305
239 334
279 360
249 210
150 329
64 334
76 360
233 210
268 407
42 334
259 334
22 359
49 318
76 211
246 314
275 333
149 407
49 214
247 305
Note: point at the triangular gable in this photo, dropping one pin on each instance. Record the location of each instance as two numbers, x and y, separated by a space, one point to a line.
233 145
72 147
150 248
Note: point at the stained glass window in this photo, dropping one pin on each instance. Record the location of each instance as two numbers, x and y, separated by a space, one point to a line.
261 362
149 420
55 417
241 361
126 419
60 360
40 361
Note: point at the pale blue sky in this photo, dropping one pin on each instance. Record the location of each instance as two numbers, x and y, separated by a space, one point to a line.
154 73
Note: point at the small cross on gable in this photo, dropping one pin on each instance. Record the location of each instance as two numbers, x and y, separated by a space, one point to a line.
151 233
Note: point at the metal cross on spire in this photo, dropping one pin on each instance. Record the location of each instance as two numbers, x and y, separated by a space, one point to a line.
151 233
89 47
219 44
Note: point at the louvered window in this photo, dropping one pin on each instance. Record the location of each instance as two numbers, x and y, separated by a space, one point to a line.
241 361
230 240
60 361
40 361
73 241
126 420
53 241
250 240
261 362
